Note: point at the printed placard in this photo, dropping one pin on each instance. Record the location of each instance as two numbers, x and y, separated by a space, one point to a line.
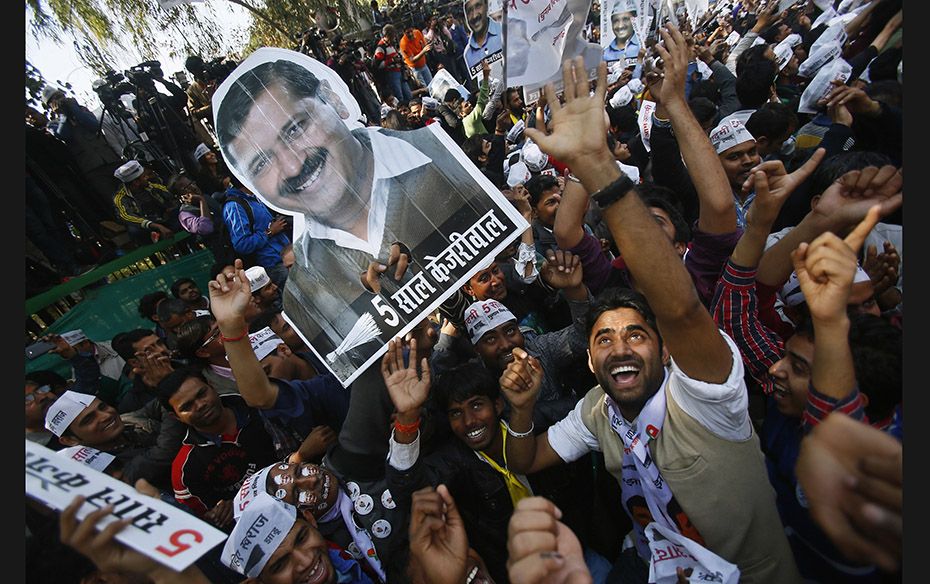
164 533
287 127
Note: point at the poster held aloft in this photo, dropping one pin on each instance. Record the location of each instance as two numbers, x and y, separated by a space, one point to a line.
540 34
486 38
287 127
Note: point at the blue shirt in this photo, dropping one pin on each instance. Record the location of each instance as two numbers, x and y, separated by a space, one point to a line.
267 249
630 53
493 43
303 404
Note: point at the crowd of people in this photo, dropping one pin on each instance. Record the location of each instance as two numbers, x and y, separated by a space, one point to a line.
688 367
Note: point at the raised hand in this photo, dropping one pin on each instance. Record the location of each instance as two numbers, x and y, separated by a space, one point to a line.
773 185
408 390
62 348
826 268
542 549
882 268
854 498
562 269
579 130
221 515
780 183
315 444
675 54
438 542
856 100
846 202
101 547
230 295
521 380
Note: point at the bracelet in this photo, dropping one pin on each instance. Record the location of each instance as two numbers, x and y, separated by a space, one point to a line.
407 428
613 192
521 434
244 334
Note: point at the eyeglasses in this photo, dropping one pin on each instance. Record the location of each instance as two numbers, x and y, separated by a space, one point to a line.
210 339
39 390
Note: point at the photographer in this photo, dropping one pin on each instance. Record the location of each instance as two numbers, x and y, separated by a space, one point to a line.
354 71
79 129
161 116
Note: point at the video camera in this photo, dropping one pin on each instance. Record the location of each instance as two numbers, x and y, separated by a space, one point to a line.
143 74
218 69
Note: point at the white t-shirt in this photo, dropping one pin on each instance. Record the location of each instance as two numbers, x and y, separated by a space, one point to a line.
723 409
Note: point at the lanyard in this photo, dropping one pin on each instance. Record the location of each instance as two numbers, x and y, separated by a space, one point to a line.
517 489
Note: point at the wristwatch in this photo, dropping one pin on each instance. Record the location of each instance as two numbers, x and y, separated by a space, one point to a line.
613 192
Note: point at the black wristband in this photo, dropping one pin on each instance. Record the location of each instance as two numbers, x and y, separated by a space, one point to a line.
613 192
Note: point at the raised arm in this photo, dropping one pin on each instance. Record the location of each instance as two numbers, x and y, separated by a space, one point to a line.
229 298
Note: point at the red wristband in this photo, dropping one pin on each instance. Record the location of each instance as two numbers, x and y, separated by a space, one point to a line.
407 428
244 334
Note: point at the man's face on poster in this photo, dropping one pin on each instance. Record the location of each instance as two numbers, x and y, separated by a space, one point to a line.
622 25
476 15
301 156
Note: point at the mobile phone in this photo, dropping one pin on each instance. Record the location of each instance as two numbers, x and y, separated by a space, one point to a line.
37 349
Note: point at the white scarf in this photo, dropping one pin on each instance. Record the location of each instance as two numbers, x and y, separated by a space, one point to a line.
359 535
639 474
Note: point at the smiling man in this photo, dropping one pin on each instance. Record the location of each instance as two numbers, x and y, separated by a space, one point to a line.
486 40
738 154
366 196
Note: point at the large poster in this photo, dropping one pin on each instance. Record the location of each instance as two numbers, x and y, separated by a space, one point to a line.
540 34
288 129
485 39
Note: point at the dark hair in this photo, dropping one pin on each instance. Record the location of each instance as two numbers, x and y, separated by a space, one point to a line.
171 307
172 184
170 385
614 298
623 118
464 381
176 286
394 121
539 184
452 94
236 106
149 303
472 147
47 377
748 58
887 91
772 120
885 65
769 34
704 110
264 319
754 84
189 336
123 342
839 164
877 348
706 88
665 198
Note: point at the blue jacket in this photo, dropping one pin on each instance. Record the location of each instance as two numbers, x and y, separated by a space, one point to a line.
267 249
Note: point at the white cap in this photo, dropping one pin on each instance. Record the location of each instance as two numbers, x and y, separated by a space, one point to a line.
129 171
264 342
791 293
705 71
819 57
48 92
514 133
623 6
483 316
253 489
429 103
622 97
519 173
92 457
73 337
783 54
261 528
636 86
385 110
792 40
200 150
258 278
728 134
534 158
64 411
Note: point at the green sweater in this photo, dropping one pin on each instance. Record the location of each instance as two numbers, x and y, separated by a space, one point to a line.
473 123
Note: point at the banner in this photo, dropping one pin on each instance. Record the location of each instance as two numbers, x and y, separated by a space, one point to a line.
287 127
540 34
486 37
169 535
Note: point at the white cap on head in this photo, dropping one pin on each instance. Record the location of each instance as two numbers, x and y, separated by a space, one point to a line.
819 57
65 410
728 134
622 97
483 316
518 174
200 150
48 92
792 40
791 294
258 278
385 110
636 86
261 528
534 158
129 171
783 54
264 342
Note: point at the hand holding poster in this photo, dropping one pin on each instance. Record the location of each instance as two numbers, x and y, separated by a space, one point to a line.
286 129
158 530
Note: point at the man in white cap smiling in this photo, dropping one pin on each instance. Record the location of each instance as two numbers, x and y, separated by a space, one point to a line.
145 206
738 154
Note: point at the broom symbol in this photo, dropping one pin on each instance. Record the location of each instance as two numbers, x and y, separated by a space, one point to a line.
363 331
